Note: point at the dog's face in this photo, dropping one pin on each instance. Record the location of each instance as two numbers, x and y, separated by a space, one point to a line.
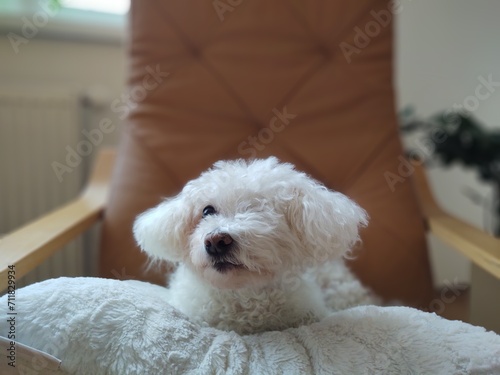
246 223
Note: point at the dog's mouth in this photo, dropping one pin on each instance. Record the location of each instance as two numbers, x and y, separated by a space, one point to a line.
223 266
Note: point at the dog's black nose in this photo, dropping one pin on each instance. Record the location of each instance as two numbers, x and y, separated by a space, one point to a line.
218 244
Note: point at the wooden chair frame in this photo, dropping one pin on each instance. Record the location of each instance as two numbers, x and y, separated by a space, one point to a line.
29 246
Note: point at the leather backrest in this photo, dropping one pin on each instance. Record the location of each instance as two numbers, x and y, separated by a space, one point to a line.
310 82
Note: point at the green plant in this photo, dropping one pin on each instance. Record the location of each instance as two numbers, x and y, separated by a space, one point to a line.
461 139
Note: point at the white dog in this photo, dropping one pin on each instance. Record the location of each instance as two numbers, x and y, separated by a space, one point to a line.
244 235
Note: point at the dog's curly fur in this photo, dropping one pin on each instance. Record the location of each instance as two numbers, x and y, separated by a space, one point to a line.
280 223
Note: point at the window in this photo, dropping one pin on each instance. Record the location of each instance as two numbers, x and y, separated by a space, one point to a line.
112 6
84 20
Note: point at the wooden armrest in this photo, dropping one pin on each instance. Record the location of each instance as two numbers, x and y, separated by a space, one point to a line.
29 246
480 247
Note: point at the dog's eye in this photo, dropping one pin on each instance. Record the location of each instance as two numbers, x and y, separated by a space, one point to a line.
209 210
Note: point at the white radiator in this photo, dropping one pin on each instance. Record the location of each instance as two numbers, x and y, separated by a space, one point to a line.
35 130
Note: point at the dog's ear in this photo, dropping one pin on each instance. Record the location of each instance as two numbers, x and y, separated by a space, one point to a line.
326 222
162 230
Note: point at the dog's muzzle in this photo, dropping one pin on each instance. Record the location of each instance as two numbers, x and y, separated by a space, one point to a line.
218 244
221 248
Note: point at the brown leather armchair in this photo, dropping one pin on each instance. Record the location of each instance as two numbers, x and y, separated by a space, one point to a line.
259 78
308 82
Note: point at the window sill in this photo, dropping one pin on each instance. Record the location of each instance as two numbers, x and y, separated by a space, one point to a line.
64 24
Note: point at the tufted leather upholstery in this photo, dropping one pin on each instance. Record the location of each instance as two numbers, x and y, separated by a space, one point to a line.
258 78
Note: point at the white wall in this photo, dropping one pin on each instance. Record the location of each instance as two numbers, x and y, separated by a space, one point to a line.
442 49
82 66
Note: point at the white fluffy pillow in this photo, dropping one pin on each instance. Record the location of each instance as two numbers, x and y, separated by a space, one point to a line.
99 326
